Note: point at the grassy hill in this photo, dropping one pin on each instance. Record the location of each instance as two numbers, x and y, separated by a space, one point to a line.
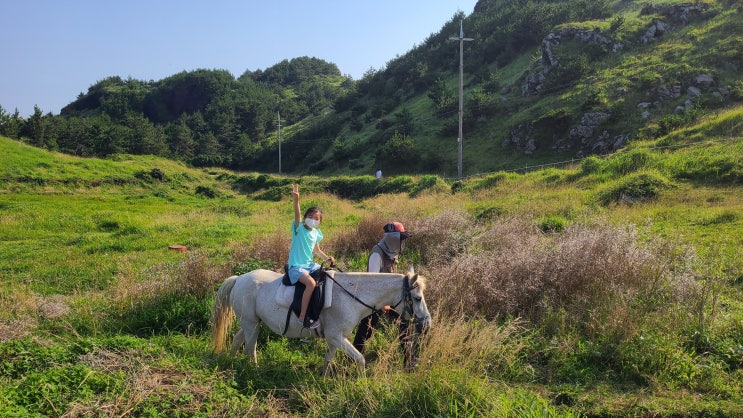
533 75
545 82
610 287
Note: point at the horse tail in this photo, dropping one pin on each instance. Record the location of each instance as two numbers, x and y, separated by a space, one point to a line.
222 317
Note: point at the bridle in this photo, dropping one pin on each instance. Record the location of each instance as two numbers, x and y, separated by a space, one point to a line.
406 297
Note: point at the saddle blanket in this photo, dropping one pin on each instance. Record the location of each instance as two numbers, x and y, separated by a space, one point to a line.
285 294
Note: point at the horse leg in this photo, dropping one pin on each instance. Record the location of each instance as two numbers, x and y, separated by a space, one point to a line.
251 339
328 358
237 341
341 342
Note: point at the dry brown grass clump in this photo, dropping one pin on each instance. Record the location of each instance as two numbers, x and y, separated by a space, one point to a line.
21 309
195 275
361 239
17 302
601 276
272 247
52 306
442 237
16 329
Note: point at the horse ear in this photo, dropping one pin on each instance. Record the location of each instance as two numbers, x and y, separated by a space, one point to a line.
412 279
411 270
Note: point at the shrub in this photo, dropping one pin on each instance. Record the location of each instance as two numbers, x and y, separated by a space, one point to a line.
397 184
440 238
669 123
272 194
359 240
488 181
591 165
206 191
629 162
487 212
552 223
636 188
396 152
353 187
254 182
433 183
272 250
570 70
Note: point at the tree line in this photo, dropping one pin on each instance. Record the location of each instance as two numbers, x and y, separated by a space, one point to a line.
203 117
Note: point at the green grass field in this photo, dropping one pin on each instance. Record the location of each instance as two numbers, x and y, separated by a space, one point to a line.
609 288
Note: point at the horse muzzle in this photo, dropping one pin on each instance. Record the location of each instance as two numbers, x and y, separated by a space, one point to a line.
425 322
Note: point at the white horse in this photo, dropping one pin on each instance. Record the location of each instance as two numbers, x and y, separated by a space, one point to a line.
252 298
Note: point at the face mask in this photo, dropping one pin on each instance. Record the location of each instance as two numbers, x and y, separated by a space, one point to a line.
312 223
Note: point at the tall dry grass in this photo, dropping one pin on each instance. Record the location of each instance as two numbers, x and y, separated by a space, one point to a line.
460 365
271 248
602 276
195 275
361 238
477 346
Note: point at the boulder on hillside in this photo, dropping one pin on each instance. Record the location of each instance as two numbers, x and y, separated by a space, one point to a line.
703 81
680 14
521 138
656 29
549 59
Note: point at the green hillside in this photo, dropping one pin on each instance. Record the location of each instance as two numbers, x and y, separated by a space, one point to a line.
609 287
545 82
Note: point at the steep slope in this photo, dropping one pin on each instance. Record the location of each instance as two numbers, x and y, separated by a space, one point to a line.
544 82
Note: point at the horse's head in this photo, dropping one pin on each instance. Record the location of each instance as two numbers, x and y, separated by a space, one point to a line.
415 303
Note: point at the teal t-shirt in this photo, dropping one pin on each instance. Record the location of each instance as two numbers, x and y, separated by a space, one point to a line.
303 244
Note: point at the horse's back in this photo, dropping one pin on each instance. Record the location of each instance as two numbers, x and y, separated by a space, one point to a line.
259 275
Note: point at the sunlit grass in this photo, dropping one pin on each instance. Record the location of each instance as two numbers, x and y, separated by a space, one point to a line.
89 268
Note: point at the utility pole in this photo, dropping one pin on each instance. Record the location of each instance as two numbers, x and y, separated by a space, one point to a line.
278 114
461 40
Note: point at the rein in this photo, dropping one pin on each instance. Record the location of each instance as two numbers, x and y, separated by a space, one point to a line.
353 296
405 297
347 291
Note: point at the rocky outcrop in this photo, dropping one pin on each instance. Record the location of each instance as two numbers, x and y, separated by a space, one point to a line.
679 14
656 29
584 139
696 87
521 138
583 132
549 59
675 14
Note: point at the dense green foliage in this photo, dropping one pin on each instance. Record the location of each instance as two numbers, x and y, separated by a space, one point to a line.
204 117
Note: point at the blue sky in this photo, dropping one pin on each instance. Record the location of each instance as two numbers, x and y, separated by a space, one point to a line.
53 50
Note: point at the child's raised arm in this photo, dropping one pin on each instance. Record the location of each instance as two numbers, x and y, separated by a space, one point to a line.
297 212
